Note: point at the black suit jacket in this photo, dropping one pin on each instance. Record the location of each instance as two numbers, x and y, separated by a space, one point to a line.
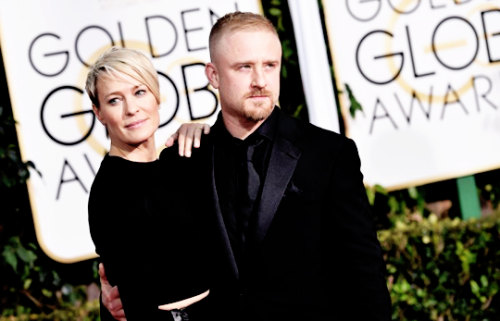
313 254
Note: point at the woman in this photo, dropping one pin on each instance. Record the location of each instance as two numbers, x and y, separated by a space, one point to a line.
142 225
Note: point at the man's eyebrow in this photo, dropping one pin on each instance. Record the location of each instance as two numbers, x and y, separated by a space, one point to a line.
249 62
239 63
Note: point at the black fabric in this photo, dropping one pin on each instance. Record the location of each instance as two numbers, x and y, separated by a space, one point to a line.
231 174
312 253
144 226
248 190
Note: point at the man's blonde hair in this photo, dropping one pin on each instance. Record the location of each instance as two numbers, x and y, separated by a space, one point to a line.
237 21
126 61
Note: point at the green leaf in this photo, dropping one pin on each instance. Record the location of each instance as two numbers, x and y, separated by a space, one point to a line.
484 281
57 279
275 12
47 293
23 254
380 189
12 154
298 110
412 191
27 283
32 165
393 204
287 49
474 287
355 105
10 257
284 71
370 193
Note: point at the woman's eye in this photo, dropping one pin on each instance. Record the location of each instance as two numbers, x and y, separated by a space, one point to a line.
113 101
140 92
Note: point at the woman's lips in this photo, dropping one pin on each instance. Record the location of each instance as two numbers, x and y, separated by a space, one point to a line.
135 124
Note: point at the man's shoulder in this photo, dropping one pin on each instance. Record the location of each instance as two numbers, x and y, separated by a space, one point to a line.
170 155
305 133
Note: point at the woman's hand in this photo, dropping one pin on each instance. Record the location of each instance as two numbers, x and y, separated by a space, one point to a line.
188 136
111 297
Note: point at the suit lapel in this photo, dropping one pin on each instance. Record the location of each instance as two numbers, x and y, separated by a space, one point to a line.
282 163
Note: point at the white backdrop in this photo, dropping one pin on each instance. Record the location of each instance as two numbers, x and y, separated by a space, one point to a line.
427 74
47 46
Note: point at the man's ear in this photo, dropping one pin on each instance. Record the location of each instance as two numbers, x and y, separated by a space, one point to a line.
212 75
97 113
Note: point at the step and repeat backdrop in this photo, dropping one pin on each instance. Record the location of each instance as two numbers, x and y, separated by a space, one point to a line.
427 75
47 47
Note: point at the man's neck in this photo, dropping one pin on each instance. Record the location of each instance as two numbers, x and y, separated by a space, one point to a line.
239 127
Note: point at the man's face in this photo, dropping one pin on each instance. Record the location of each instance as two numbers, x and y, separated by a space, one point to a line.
246 70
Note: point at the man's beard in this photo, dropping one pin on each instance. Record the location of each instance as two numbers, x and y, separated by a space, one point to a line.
258 111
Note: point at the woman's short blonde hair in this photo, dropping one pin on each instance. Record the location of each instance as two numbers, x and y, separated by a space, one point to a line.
126 61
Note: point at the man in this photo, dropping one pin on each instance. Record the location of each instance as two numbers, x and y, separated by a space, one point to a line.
291 231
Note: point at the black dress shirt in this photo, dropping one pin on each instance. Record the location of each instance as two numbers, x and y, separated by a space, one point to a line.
228 160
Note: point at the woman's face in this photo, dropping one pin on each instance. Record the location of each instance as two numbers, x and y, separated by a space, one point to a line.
128 109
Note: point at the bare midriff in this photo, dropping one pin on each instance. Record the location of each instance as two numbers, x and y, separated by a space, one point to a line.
183 303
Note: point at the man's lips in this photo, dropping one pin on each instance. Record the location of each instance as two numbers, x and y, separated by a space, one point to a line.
259 95
135 124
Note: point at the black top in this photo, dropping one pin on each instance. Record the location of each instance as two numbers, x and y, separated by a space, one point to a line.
229 159
144 229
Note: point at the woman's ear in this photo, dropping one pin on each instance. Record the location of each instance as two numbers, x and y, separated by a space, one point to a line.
97 113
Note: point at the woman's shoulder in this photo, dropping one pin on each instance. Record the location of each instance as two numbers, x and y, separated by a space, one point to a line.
107 172
109 180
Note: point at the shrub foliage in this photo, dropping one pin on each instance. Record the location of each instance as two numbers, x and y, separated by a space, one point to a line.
444 269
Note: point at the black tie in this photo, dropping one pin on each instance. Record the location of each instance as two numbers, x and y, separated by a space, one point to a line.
249 190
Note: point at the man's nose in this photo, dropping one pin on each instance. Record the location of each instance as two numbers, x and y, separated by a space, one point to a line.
259 80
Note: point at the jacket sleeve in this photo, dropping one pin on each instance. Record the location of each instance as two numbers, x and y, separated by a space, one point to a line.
359 267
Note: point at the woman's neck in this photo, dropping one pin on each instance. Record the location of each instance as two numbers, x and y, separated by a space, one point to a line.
143 153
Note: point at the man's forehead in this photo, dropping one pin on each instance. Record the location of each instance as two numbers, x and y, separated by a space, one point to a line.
241 41
243 31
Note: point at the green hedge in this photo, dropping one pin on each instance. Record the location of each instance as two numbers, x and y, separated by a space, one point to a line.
86 312
444 269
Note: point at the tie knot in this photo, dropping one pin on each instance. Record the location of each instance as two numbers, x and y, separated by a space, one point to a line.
249 152
249 147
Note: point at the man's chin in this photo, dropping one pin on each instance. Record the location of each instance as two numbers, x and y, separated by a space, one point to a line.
258 113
